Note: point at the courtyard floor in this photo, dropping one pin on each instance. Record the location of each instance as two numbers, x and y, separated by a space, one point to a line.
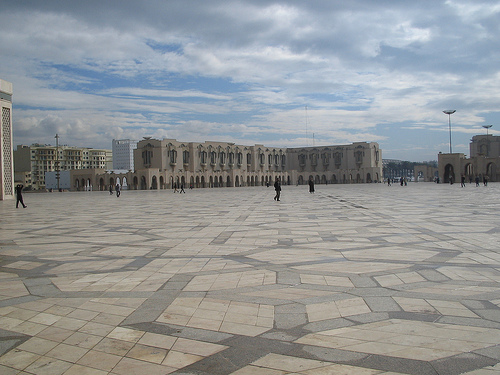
353 279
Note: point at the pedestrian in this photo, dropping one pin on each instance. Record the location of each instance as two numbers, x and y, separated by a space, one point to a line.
110 189
477 181
117 188
175 187
485 180
462 182
311 185
19 194
182 188
277 188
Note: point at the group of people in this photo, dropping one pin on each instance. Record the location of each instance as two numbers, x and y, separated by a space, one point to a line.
403 181
117 189
181 190
277 188
462 180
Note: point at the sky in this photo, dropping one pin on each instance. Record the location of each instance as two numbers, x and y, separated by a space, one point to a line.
279 73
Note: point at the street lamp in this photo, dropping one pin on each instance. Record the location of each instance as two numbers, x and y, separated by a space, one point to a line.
58 174
449 112
487 127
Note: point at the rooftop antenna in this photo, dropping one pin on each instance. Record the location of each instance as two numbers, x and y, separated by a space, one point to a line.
307 137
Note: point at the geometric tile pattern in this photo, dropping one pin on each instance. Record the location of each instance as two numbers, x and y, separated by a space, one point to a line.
354 279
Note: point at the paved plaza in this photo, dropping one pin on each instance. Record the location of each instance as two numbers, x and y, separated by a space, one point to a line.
354 279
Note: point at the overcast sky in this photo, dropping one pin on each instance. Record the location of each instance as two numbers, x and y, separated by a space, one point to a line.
282 74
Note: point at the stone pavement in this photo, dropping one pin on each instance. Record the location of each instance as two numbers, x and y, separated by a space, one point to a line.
354 279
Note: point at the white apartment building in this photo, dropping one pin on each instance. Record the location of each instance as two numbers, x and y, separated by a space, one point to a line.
38 159
6 157
123 154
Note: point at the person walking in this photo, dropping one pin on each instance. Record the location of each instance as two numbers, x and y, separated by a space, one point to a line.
175 187
182 188
277 188
311 185
110 189
19 195
117 188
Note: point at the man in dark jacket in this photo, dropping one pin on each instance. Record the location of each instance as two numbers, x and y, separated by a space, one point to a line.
19 194
277 187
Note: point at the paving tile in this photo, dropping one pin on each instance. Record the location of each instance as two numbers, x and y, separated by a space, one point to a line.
48 366
386 277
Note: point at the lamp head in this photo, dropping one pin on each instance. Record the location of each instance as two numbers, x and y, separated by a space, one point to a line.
449 111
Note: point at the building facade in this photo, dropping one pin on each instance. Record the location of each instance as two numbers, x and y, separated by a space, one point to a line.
6 153
123 154
360 162
36 160
484 159
161 164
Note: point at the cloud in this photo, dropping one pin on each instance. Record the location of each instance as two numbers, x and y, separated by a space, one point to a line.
247 69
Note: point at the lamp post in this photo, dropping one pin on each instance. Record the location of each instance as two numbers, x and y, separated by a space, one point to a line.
449 112
487 127
58 174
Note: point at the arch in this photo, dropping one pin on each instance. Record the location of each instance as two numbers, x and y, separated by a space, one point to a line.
252 181
144 184
368 178
191 182
262 181
469 171
300 180
449 174
89 184
221 182
202 181
491 171
197 183
316 179
237 181
183 180
111 181
323 179
289 180
211 182
154 183
228 181
102 186
83 186
162 182
358 178
334 179
248 181
77 184
135 182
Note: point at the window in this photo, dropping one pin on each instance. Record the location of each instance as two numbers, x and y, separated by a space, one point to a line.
146 157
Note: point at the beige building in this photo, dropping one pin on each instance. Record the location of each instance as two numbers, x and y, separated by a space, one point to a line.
159 164
6 155
483 161
33 161
360 162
